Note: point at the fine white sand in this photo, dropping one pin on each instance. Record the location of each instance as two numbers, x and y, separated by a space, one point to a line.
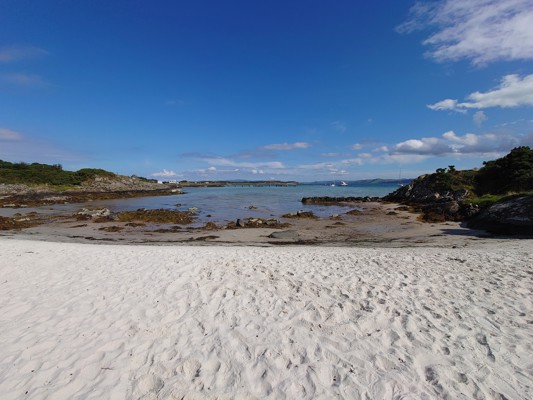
81 321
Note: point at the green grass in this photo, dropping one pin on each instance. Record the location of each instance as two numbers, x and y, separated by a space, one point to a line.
489 199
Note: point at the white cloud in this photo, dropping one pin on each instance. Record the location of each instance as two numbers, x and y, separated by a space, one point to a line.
165 174
447 104
479 117
287 146
421 146
225 162
451 144
16 53
482 31
357 146
513 91
316 166
339 126
365 155
353 161
400 158
8 134
381 149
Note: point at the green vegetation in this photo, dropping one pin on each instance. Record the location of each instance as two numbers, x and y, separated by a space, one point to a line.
495 181
486 200
23 173
451 180
512 173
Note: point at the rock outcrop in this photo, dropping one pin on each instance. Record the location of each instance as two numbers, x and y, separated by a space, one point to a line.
508 217
97 188
330 201
437 204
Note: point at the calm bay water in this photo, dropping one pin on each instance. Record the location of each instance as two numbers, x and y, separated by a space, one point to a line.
222 204
229 203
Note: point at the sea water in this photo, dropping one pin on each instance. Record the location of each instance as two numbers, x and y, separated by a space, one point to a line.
229 203
222 204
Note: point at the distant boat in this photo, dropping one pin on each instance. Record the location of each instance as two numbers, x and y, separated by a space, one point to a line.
343 183
333 184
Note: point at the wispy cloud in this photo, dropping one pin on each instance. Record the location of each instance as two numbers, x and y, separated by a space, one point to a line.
357 146
513 91
451 144
165 174
482 31
316 166
334 155
17 53
23 79
10 135
287 146
225 162
353 161
339 126
479 117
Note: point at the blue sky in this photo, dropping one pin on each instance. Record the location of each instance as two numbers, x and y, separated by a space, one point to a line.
303 90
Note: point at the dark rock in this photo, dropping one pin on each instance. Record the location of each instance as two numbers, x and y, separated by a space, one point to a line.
210 226
425 190
509 217
291 235
158 216
300 214
255 223
135 224
354 212
338 200
113 228
204 238
425 194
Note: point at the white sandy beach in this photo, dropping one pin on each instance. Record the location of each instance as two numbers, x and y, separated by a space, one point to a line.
82 321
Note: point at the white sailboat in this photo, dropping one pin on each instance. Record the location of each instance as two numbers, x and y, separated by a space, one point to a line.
400 178
343 183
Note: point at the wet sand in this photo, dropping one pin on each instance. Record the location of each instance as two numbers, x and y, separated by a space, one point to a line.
376 223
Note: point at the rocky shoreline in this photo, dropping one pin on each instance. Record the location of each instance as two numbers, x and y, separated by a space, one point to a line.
513 215
420 199
99 188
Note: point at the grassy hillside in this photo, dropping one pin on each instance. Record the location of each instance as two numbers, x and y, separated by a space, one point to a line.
31 174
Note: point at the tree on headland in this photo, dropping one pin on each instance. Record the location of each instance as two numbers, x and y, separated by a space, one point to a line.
511 173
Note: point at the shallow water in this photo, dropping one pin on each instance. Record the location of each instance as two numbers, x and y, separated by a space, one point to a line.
221 204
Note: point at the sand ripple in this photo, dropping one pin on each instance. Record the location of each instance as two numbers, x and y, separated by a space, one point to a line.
138 322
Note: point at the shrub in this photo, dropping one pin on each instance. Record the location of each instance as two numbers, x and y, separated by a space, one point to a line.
512 173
